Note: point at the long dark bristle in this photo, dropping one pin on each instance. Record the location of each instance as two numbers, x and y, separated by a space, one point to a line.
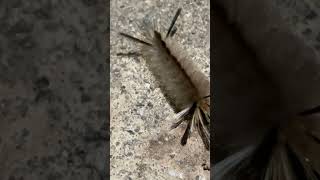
296 165
206 97
176 124
225 169
173 22
135 39
204 137
205 117
173 31
261 156
310 111
186 134
313 137
316 174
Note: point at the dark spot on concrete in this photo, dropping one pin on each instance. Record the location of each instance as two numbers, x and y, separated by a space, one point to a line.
81 89
70 161
141 169
22 26
85 98
51 124
19 146
22 107
100 69
150 105
130 132
311 15
139 104
205 167
44 13
80 152
54 176
4 107
41 83
89 2
55 113
153 142
32 163
123 89
137 129
20 138
25 132
24 40
307 31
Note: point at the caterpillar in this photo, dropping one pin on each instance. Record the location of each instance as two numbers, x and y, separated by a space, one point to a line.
184 85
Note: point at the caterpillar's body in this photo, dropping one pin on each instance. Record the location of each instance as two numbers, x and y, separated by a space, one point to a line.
183 84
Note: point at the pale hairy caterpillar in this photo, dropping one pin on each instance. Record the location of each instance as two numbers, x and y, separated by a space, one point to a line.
184 85
267 123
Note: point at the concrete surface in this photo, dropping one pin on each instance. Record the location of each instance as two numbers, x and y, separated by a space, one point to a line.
304 18
142 147
53 88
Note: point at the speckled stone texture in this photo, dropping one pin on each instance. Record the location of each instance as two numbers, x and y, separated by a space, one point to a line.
304 18
142 147
53 90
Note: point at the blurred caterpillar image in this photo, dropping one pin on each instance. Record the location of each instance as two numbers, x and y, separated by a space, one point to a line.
186 88
267 96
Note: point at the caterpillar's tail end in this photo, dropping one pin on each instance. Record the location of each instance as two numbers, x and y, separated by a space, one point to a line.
197 117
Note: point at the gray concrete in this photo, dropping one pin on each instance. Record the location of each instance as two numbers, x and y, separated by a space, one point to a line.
142 147
304 18
52 90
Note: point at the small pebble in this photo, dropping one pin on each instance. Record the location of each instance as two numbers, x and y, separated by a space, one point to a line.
200 178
